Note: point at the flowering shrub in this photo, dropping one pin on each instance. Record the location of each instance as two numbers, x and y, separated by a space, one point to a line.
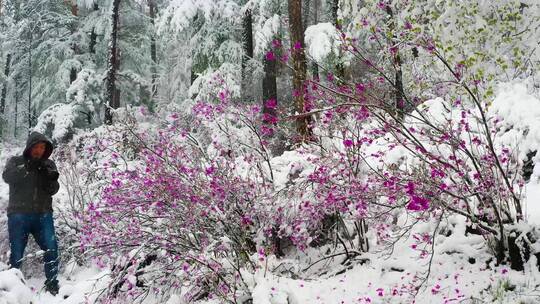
196 213
201 201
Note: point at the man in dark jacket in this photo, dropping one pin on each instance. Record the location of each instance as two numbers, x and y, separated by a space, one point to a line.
33 180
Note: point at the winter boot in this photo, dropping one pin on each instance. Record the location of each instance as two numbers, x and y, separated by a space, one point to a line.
52 287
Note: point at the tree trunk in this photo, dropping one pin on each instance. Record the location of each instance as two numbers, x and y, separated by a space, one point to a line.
314 65
112 65
299 67
305 18
16 107
3 96
247 43
247 37
335 8
269 84
399 102
153 47
73 5
93 35
4 87
75 13
30 83
340 69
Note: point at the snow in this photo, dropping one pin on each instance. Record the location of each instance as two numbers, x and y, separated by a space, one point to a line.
461 270
86 3
181 12
60 117
13 289
266 31
289 166
322 40
532 195
226 75
520 111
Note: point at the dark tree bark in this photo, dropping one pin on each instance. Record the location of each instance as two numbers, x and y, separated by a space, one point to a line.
269 84
153 47
75 13
29 109
16 114
305 18
340 69
112 65
247 37
399 100
335 7
93 35
3 95
299 67
73 5
4 87
314 65
247 45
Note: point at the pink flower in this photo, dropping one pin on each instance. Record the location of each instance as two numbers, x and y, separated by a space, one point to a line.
210 170
269 118
271 103
267 131
418 204
408 25
410 188
360 88
348 143
270 56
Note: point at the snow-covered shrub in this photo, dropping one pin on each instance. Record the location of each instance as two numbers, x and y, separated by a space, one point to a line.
57 122
189 209
61 121
417 133
199 203
86 164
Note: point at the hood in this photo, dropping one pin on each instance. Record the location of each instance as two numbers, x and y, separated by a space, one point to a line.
34 138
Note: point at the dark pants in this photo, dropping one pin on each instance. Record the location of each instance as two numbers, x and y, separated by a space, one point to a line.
41 227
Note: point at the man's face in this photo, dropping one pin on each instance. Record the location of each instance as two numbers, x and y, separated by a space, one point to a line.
38 150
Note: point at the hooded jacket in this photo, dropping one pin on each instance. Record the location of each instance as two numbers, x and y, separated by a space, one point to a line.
31 183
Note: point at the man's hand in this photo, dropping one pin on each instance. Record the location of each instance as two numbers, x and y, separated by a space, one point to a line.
48 169
34 165
15 170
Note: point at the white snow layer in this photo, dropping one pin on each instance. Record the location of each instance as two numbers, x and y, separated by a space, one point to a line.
322 39
13 289
519 110
59 117
520 113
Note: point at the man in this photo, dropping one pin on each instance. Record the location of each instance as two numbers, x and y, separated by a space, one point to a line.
33 180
